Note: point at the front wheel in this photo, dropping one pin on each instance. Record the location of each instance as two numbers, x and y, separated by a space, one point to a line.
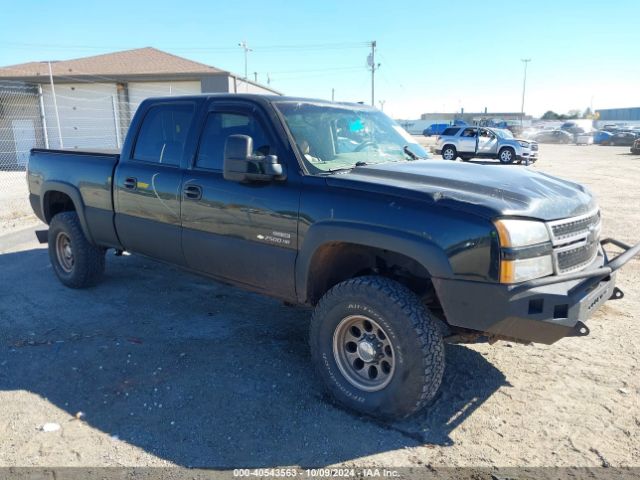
377 348
507 155
76 262
449 152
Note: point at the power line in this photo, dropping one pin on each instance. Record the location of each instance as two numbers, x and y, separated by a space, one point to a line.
312 46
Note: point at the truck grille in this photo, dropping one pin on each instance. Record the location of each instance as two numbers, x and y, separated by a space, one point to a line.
575 241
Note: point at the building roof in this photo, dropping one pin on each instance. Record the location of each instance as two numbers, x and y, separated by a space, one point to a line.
141 62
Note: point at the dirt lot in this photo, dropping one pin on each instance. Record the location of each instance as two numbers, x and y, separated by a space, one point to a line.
15 211
172 369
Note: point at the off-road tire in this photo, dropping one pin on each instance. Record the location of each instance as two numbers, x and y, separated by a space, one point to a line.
418 348
453 150
88 260
507 155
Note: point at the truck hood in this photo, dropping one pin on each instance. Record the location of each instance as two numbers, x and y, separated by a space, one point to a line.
486 190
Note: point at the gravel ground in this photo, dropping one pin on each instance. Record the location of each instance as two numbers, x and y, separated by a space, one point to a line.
15 211
172 369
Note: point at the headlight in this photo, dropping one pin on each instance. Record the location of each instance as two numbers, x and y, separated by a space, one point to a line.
524 144
521 233
525 250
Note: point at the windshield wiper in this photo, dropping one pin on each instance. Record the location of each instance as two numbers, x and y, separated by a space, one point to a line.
344 169
335 170
410 153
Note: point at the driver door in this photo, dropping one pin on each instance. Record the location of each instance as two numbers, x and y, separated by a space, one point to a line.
245 233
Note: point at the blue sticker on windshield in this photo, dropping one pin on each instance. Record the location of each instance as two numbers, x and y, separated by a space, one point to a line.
356 125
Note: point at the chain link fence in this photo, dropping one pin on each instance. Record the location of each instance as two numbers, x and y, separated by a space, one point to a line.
78 115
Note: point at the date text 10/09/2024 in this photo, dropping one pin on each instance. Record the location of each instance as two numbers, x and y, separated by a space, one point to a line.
317 472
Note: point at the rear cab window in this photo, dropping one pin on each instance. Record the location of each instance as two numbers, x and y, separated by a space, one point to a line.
163 134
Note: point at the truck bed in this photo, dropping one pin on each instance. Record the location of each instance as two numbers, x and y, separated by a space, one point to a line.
84 176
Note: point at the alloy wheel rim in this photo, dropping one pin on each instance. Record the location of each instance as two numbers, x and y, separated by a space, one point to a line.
64 252
506 156
448 154
364 353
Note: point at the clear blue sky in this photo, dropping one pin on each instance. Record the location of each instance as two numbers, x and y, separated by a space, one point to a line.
435 56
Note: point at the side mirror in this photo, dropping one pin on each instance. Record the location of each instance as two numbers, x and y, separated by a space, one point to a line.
240 165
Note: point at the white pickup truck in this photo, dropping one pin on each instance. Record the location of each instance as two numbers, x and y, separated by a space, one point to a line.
485 142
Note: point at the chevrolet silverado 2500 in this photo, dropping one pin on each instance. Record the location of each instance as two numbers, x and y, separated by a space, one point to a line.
336 207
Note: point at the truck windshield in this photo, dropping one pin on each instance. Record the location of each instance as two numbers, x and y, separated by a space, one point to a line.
334 137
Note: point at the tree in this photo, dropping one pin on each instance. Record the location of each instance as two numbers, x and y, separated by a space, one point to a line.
550 115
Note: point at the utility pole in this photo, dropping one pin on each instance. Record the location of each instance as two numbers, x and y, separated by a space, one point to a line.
246 49
55 105
333 94
371 61
524 87
255 77
381 102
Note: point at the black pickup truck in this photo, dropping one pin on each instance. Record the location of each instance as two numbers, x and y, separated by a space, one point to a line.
336 207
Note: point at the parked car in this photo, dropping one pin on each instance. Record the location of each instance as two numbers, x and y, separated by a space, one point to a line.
396 252
635 148
554 136
484 142
625 138
601 137
434 129
529 133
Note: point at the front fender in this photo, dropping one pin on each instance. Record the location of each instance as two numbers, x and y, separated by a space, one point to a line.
74 194
420 249
513 144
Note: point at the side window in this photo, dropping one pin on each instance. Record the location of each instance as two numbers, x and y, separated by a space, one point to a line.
469 133
218 126
450 131
488 134
163 134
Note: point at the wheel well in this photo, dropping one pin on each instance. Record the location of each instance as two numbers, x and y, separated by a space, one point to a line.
336 262
56 202
449 145
505 147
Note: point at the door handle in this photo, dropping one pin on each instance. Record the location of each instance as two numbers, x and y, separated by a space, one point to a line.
130 183
193 191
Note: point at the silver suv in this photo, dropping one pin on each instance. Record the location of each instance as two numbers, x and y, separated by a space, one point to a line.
485 142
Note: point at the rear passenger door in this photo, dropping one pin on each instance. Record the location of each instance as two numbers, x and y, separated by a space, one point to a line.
147 185
242 232
467 140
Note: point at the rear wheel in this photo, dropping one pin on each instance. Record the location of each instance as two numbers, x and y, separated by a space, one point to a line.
76 262
376 347
507 155
449 152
